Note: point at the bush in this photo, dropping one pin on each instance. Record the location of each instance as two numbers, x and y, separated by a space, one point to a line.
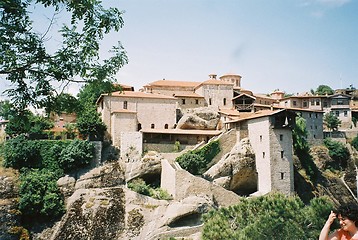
273 216
20 152
139 185
338 152
196 161
39 195
355 142
77 154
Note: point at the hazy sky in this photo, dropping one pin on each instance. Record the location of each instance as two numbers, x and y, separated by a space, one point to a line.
291 45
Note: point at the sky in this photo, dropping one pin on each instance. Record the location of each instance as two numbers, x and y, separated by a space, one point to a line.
291 45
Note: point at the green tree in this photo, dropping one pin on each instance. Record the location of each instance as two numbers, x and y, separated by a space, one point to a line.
323 90
355 142
33 69
6 109
64 102
338 152
90 125
332 122
301 147
272 216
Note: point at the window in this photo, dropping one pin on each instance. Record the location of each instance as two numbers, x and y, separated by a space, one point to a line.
152 125
282 175
345 113
281 137
315 127
125 105
305 104
209 101
337 113
316 115
317 102
325 104
281 154
310 115
196 101
294 103
312 102
183 101
263 154
224 101
139 126
166 126
260 138
314 135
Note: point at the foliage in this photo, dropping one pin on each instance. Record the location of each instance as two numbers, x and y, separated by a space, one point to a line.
19 152
5 109
338 152
77 154
323 90
176 146
39 195
355 142
33 70
273 216
64 102
301 148
90 125
196 161
139 185
90 92
70 130
332 122
57 156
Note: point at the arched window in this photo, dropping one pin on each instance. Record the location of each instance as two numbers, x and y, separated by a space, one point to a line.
152 125
166 126
139 127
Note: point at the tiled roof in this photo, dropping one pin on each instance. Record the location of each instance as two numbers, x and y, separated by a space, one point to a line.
171 83
230 112
258 114
131 94
189 94
124 111
182 131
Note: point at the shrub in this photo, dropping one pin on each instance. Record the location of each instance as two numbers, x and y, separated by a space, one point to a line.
20 152
39 195
77 154
138 185
338 152
196 161
355 142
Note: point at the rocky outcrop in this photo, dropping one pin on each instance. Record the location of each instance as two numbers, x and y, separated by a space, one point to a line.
200 118
236 170
149 165
10 217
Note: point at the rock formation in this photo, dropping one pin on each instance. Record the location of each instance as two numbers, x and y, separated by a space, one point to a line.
236 170
200 118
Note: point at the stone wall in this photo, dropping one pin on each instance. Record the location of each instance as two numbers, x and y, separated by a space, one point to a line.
131 146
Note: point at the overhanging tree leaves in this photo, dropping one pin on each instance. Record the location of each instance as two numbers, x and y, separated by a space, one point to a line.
332 121
32 69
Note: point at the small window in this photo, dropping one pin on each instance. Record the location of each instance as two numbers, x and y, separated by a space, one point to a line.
310 115
166 126
196 101
281 154
224 101
263 154
281 137
317 102
316 115
315 127
314 136
294 103
125 105
305 104
209 101
152 125
183 101
139 126
345 113
260 138
282 175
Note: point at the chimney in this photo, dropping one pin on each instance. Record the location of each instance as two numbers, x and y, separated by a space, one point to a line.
212 76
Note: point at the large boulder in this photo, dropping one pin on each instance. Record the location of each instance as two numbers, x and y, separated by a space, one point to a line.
149 166
236 170
200 118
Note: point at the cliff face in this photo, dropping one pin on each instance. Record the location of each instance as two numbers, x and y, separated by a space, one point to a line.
10 226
